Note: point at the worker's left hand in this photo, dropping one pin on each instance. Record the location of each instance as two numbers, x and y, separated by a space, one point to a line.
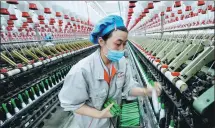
105 113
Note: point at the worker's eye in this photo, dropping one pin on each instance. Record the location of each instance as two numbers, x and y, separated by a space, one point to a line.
118 44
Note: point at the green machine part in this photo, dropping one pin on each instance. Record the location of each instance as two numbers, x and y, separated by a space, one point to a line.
204 101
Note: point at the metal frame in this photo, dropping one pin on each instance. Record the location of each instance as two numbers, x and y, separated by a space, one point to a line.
185 29
169 90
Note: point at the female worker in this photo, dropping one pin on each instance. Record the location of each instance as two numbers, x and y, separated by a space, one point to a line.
103 74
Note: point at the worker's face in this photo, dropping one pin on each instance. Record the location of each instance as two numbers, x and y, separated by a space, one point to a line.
117 41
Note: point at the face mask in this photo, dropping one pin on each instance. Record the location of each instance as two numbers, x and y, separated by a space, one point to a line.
114 55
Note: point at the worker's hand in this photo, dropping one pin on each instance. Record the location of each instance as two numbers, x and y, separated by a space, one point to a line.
157 87
105 113
147 91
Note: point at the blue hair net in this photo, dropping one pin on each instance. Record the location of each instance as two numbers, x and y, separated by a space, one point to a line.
104 26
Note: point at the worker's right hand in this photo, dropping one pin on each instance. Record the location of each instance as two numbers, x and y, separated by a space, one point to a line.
158 88
105 113
148 91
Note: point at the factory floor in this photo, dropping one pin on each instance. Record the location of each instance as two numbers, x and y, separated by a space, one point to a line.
59 119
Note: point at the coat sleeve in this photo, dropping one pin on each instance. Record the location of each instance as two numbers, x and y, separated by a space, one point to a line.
74 92
129 82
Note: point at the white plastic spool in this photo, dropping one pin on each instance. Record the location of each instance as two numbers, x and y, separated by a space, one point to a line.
29 100
170 77
181 85
23 105
40 93
8 115
37 64
2 76
24 68
16 110
29 66
13 72
155 63
163 70
53 58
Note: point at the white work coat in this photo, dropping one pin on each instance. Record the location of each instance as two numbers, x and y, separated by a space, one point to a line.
85 84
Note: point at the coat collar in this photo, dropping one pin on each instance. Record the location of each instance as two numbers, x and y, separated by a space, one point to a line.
99 70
